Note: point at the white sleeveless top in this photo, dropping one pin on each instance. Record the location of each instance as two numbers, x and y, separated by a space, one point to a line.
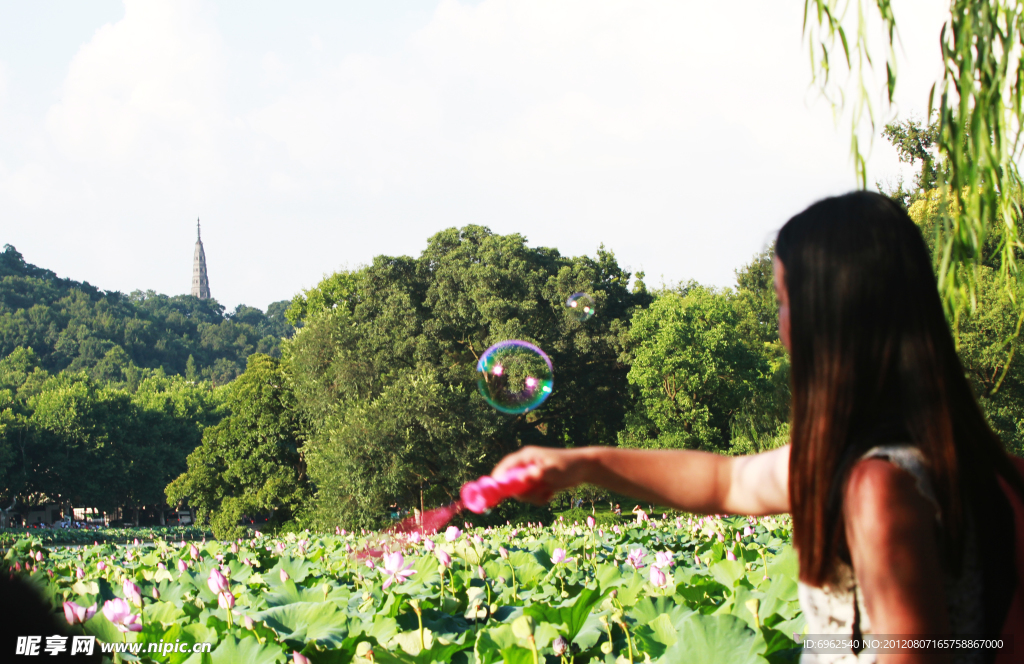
830 610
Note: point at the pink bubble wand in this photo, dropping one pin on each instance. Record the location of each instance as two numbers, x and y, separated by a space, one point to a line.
477 496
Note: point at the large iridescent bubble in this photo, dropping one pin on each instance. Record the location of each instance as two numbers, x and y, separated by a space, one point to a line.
580 306
514 376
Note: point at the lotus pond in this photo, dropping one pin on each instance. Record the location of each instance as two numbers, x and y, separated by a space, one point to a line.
669 590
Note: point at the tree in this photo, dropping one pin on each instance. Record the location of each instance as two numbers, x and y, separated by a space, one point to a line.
692 370
385 375
250 462
112 336
979 115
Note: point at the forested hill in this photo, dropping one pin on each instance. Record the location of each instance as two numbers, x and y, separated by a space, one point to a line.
116 337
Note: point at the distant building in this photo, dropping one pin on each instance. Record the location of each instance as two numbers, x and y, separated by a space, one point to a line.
200 282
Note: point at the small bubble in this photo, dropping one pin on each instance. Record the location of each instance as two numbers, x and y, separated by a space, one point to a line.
580 306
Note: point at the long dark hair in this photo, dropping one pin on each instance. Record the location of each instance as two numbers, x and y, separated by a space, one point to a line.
873 362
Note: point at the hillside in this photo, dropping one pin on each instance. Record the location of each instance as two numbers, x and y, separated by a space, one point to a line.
112 336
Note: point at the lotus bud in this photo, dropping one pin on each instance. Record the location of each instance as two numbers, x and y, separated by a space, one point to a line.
428 545
132 592
503 552
225 600
284 576
79 573
193 551
560 646
39 556
156 593
101 566
217 582
480 571
591 522
298 658
729 555
247 621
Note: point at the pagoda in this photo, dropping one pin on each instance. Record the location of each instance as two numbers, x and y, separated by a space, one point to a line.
200 282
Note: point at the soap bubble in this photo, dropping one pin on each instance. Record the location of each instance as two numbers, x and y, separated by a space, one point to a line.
514 376
581 306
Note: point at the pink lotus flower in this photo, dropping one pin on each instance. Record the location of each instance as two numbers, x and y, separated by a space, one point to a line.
503 552
234 548
591 522
136 541
729 555
663 559
79 573
443 558
615 529
280 547
161 566
193 551
182 566
298 658
635 558
217 582
101 566
369 563
132 592
747 531
658 578
452 533
558 556
415 538
337 530
119 612
284 576
225 600
219 557
78 614
394 565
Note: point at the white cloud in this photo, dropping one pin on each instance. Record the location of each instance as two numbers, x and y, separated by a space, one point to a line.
677 133
145 94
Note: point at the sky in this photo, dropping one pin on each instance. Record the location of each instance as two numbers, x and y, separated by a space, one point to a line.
312 136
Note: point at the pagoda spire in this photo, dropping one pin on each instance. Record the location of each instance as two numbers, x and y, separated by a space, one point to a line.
200 280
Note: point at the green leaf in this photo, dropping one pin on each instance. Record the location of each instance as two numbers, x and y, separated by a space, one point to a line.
728 572
247 650
162 612
305 622
572 614
719 638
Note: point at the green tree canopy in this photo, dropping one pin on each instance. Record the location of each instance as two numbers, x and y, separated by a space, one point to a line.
386 379
250 462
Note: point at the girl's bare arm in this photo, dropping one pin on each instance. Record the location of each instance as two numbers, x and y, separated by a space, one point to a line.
684 479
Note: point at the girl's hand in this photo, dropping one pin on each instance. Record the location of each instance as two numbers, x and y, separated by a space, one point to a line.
550 470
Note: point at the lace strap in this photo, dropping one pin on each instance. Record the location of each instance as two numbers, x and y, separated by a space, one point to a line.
910 459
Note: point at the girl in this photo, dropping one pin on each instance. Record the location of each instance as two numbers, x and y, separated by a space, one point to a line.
896 484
